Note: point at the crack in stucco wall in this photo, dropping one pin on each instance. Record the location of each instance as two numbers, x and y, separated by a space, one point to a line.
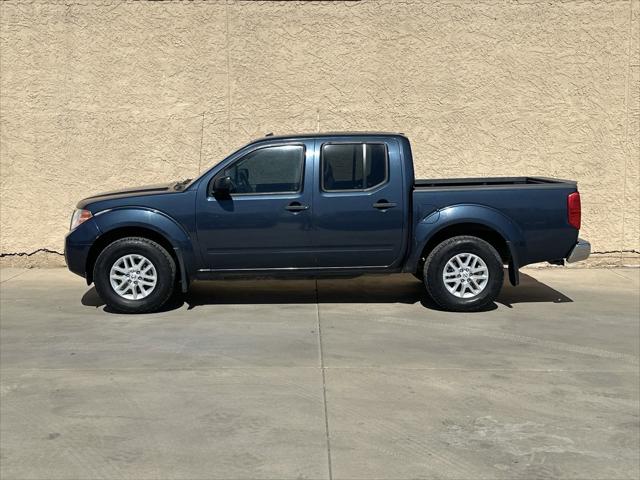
55 252
29 254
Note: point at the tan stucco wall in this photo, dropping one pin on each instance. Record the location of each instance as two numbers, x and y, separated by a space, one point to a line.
98 95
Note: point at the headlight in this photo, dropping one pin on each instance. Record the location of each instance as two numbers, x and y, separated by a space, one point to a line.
78 217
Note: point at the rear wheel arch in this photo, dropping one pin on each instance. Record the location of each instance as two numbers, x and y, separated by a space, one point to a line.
482 221
489 234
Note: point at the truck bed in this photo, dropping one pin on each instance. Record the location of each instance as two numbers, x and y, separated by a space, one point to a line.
536 208
489 181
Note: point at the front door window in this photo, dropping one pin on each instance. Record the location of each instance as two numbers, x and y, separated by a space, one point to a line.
276 169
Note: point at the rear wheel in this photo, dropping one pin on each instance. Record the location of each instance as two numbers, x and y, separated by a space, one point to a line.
463 274
134 275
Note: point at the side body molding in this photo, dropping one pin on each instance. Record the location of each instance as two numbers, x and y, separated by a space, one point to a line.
160 223
452 215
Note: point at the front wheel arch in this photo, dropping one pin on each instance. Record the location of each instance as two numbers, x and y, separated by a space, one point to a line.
103 241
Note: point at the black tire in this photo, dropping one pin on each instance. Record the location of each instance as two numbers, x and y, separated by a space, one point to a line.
448 249
162 262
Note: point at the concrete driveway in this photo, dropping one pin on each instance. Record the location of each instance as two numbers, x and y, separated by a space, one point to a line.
350 379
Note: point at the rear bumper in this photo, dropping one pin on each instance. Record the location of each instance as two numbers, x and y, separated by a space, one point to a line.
579 252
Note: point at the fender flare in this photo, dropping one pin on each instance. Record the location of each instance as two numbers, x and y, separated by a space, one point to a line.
158 222
452 215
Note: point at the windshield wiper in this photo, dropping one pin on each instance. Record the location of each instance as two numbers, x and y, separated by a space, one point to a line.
182 184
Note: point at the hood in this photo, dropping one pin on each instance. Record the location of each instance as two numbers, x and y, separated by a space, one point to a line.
131 192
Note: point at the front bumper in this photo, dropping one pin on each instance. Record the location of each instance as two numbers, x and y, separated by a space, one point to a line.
77 245
579 252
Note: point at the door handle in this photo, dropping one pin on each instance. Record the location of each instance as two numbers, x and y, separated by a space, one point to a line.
296 207
383 205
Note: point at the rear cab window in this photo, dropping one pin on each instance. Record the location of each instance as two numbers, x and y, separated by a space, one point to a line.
353 166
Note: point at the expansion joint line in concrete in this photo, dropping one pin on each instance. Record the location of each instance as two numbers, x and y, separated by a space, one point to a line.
324 385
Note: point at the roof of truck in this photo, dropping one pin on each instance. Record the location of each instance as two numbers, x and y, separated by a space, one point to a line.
270 136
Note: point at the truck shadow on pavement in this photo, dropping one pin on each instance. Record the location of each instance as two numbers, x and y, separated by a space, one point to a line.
367 289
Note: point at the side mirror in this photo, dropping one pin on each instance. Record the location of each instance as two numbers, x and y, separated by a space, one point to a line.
222 186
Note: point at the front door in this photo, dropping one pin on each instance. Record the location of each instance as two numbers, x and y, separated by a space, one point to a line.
265 221
359 211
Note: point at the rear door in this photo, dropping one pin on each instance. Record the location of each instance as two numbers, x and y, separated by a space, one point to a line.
358 205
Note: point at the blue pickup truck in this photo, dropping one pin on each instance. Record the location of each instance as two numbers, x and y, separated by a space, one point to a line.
322 205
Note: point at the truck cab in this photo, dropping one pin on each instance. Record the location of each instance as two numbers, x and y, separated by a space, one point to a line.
307 204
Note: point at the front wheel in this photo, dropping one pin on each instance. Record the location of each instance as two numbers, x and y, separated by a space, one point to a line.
134 275
463 274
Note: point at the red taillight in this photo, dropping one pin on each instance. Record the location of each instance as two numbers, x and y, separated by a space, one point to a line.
574 210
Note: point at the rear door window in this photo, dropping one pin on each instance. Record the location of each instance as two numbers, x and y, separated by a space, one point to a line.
353 166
